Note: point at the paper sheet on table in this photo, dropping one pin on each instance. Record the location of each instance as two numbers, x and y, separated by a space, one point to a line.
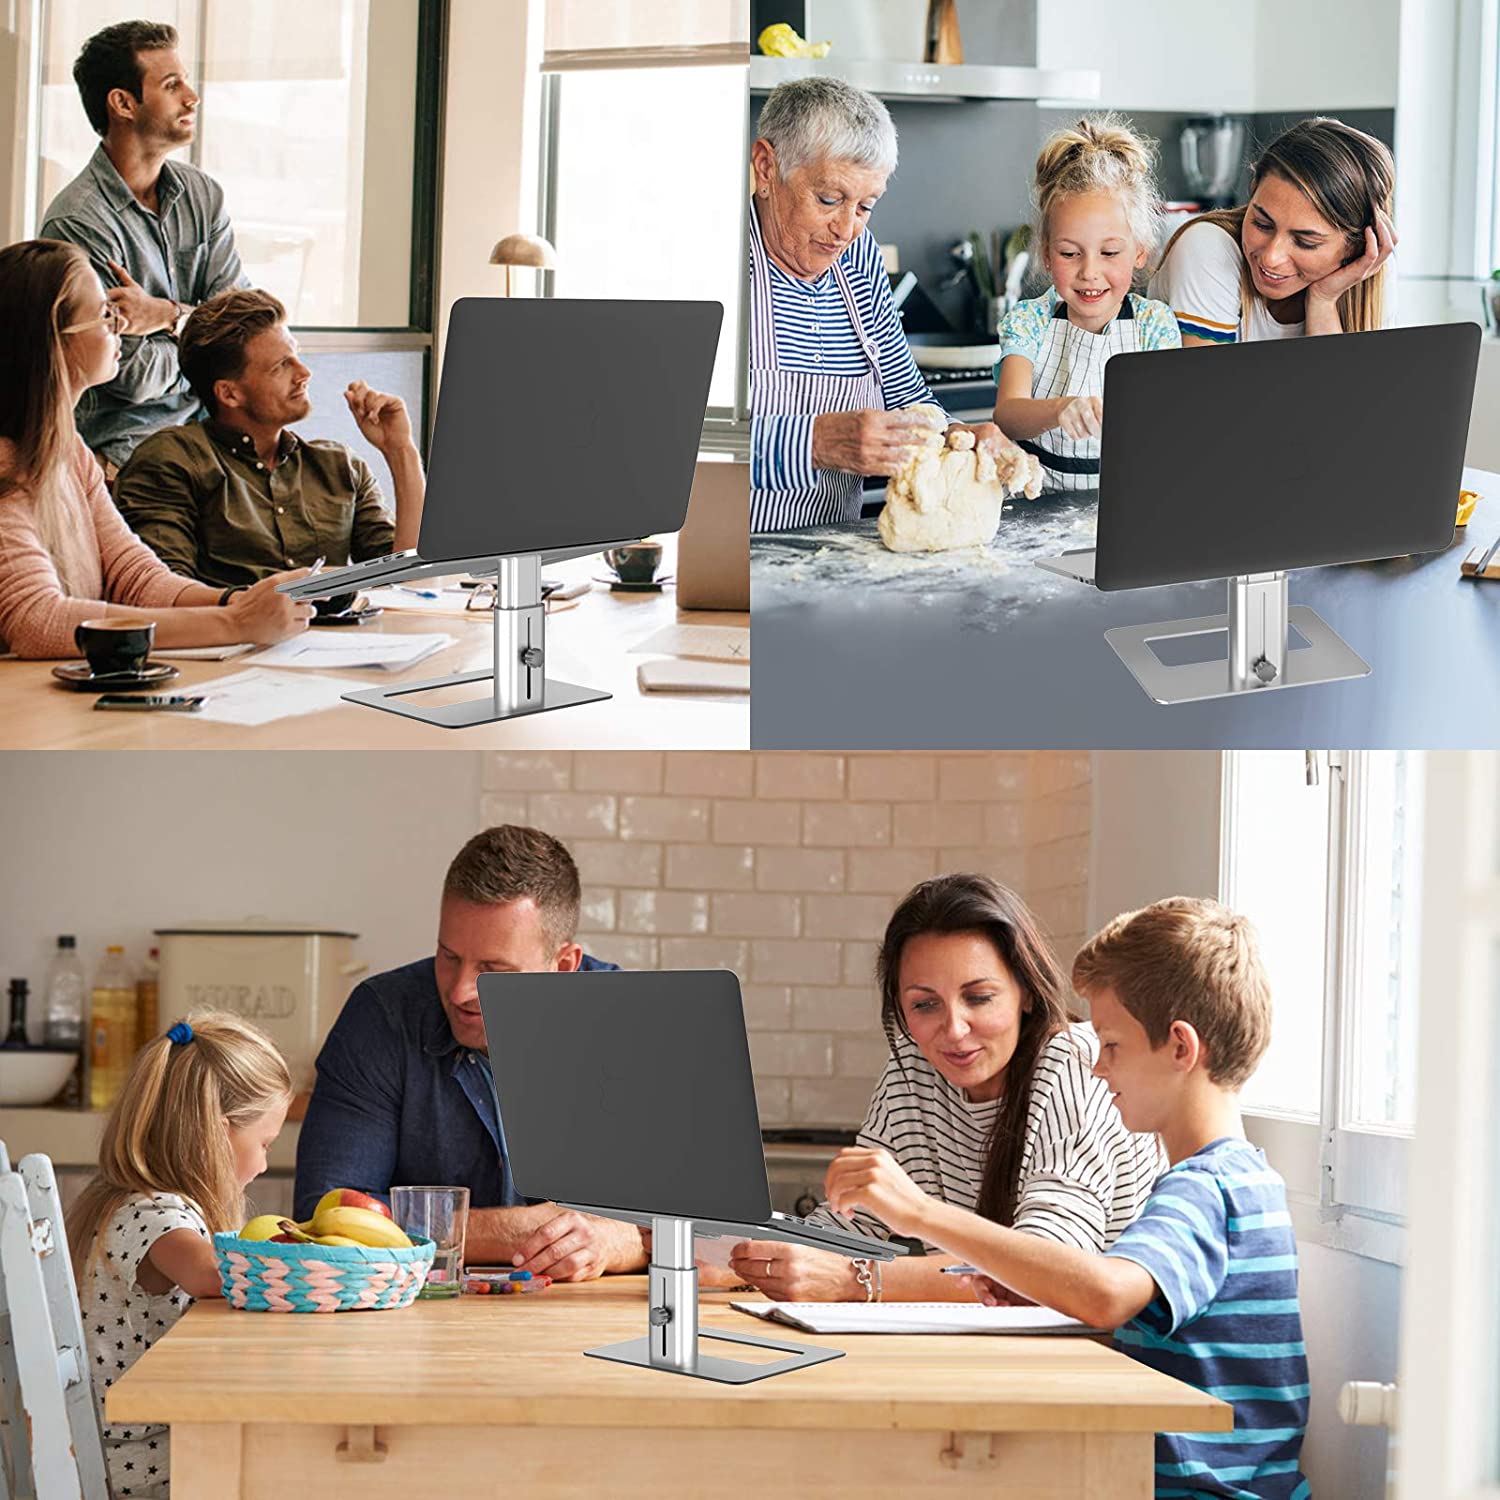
367 648
255 697
708 642
203 653
448 601
912 1317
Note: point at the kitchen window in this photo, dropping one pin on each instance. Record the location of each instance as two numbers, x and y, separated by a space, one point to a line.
1323 853
320 124
1450 1341
641 111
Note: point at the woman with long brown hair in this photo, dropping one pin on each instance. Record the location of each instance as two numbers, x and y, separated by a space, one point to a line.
987 1101
1306 255
66 555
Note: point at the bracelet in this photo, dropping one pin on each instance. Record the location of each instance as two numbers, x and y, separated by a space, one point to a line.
228 593
862 1275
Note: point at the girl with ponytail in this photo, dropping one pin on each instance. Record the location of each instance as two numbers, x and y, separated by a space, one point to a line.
188 1134
1306 255
1096 227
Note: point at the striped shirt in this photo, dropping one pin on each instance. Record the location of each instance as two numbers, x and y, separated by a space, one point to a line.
815 336
1216 1237
1083 1176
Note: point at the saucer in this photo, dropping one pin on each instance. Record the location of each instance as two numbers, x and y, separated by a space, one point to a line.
649 586
79 676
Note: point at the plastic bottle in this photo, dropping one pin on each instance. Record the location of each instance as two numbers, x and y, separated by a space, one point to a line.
146 991
64 1003
111 1028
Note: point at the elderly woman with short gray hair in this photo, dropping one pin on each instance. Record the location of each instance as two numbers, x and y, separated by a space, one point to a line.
829 365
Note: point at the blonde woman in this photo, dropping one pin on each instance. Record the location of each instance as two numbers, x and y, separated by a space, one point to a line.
1096 228
65 554
188 1134
1307 255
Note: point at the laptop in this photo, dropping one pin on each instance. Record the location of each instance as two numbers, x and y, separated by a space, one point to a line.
564 425
1291 453
713 547
630 1095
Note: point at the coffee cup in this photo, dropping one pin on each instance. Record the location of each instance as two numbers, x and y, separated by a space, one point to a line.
635 562
115 646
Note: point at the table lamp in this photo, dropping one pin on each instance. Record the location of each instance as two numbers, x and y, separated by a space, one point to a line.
523 250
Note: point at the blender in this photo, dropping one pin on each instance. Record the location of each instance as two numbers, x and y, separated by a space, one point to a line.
1213 156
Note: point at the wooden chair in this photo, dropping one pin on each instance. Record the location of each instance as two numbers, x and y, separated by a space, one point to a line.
50 1447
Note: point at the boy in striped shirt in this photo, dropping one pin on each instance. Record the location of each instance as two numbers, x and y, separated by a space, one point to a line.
1203 1285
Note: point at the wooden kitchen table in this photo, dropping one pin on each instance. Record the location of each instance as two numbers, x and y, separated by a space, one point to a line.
492 1396
589 644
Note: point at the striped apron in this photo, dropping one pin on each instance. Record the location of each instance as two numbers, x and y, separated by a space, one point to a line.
1071 363
776 392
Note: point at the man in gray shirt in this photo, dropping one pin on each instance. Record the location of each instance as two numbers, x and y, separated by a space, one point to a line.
155 229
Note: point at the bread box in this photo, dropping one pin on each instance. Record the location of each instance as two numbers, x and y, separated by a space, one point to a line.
290 978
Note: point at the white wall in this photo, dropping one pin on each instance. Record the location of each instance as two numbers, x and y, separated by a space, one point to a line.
491 133
108 847
1236 58
1156 833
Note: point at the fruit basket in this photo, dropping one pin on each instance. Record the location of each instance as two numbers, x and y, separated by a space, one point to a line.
263 1277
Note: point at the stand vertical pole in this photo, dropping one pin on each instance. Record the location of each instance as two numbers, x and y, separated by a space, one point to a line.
674 1295
520 623
1257 630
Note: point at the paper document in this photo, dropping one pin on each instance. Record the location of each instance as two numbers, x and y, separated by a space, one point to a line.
203 653
912 1317
708 642
254 697
335 653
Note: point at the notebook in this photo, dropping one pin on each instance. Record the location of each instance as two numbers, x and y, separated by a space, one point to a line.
913 1317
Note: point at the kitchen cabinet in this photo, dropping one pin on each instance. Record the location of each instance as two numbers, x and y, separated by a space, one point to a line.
487 1395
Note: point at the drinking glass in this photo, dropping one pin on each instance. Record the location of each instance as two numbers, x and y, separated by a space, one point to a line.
442 1215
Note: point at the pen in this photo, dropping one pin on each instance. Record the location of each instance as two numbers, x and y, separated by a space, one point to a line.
420 593
317 567
961 1271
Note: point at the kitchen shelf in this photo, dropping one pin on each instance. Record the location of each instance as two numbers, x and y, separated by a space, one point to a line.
932 81
71 1137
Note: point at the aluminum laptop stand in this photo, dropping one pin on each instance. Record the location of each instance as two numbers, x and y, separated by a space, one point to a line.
1258 625
672 1342
519 684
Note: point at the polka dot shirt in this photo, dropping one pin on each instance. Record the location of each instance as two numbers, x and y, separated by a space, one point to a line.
121 1321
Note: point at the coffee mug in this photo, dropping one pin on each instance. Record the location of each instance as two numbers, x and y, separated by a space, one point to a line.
635 562
115 646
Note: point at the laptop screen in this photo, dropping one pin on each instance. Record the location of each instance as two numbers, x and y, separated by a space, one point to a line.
564 422
628 1090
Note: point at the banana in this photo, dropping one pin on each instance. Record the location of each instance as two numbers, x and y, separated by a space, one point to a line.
360 1225
335 1239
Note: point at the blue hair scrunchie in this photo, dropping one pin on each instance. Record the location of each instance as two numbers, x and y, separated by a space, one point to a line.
179 1032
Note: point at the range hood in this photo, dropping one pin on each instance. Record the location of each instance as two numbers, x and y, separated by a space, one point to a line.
917 80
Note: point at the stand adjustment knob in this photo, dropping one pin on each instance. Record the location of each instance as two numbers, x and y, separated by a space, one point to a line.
659 1317
1264 669
531 656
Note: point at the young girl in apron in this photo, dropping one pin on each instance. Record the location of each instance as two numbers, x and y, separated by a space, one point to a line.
1096 227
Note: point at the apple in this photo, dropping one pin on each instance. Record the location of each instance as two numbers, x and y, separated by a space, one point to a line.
286 1239
351 1198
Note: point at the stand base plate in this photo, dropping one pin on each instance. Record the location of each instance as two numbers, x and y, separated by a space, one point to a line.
1325 658
474 710
711 1367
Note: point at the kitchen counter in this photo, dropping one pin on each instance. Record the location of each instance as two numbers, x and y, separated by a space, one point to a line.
483 1396
71 1137
866 649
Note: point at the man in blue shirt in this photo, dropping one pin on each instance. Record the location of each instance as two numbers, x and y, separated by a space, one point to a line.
404 1092
156 230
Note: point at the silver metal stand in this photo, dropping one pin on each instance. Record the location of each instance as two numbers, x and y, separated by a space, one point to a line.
520 686
673 1341
1260 655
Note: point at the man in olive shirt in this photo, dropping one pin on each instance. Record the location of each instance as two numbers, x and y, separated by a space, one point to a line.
240 495
155 229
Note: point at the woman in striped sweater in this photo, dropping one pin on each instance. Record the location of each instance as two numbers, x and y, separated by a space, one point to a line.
987 1102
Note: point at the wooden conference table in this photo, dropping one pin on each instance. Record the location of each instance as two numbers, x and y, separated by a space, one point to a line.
588 643
492 1396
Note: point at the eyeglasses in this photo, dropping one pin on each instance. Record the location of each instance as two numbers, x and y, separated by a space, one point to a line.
113 319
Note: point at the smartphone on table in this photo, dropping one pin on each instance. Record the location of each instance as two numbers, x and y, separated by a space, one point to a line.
176 703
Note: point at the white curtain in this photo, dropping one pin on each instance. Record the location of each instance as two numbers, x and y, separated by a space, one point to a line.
645 33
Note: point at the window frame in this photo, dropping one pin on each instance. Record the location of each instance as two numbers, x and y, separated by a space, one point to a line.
726 429
1346 1184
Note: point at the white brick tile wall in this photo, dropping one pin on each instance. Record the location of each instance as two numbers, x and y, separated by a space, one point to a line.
785 868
